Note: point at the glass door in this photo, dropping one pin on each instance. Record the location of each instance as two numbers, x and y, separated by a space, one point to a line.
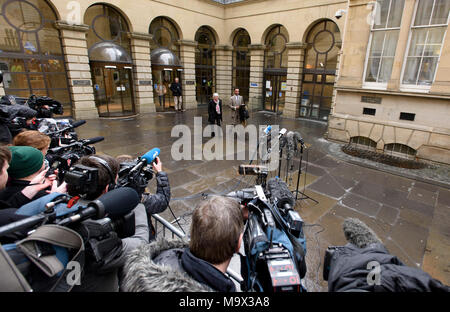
164 77
274 92
113 90
204 85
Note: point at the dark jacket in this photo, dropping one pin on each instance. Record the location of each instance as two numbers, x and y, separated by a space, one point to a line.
12 197
349 272
176 89
169 266
212 113
107 278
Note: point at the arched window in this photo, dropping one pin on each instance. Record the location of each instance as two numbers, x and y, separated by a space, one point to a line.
363 143
275 69
106 24
110 60
319 71
165 35
166 64
400 150
241 63
276 52
205 65
31 54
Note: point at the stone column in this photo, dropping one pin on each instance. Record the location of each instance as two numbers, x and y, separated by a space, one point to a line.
142 71
256 76
224 72
187 49
74 43
296 54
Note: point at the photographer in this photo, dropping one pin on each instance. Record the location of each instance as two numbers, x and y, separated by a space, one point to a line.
28 179
106 277
175 265
349 270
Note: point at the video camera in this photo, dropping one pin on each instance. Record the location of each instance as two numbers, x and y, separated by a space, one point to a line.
274 241
60 131
137 173
63 157
43 105
99 224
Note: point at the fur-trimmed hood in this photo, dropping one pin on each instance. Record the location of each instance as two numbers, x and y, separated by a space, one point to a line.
142 274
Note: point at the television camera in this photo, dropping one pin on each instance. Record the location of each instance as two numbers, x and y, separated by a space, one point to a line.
62 157
274 241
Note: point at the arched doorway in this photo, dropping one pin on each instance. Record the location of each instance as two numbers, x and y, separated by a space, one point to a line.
205 65
31 54
319 72
241 63
110 61
275 69
166 65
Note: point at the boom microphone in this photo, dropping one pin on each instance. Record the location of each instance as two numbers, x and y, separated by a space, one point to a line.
114 204
147 158
93 140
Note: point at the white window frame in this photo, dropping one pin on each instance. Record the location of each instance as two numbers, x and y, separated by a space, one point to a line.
371 84
415 87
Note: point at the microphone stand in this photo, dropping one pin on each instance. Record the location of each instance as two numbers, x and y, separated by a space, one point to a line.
304 196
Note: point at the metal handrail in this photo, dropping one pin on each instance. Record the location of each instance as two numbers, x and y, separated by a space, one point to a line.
176 232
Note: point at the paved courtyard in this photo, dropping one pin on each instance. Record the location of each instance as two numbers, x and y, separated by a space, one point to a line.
411 216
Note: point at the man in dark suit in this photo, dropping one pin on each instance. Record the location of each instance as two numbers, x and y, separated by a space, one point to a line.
215 111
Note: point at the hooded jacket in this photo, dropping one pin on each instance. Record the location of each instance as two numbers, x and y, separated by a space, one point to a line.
349 272
163 266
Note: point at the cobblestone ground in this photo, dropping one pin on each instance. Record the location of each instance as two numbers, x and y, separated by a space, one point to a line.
409 210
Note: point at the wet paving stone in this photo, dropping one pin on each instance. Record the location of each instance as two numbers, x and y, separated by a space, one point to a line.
412 239
411 217
388 214
361 204
423 196
327 185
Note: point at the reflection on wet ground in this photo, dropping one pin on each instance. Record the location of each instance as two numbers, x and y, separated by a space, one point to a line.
411 217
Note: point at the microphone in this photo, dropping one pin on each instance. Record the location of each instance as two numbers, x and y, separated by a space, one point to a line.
76 124
268 129
151 155
281 133
114 204
147 158
82 142
93 140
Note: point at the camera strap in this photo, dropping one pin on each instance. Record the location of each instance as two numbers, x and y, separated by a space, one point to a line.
58 236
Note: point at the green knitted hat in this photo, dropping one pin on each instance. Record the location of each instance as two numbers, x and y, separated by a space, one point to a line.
25 161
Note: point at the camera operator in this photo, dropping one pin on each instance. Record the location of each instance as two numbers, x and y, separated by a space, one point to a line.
9 111
174 265
349 270
106 278
158 202
28 180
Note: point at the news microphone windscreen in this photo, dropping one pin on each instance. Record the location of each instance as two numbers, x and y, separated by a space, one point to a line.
78 123
151 155
278 189
119 202
94 140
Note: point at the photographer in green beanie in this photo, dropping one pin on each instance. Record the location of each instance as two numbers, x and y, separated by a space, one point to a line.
27 179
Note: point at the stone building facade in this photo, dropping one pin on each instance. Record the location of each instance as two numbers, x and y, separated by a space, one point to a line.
402 108
294 58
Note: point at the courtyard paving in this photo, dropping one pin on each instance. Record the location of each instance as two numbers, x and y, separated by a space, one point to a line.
409 211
